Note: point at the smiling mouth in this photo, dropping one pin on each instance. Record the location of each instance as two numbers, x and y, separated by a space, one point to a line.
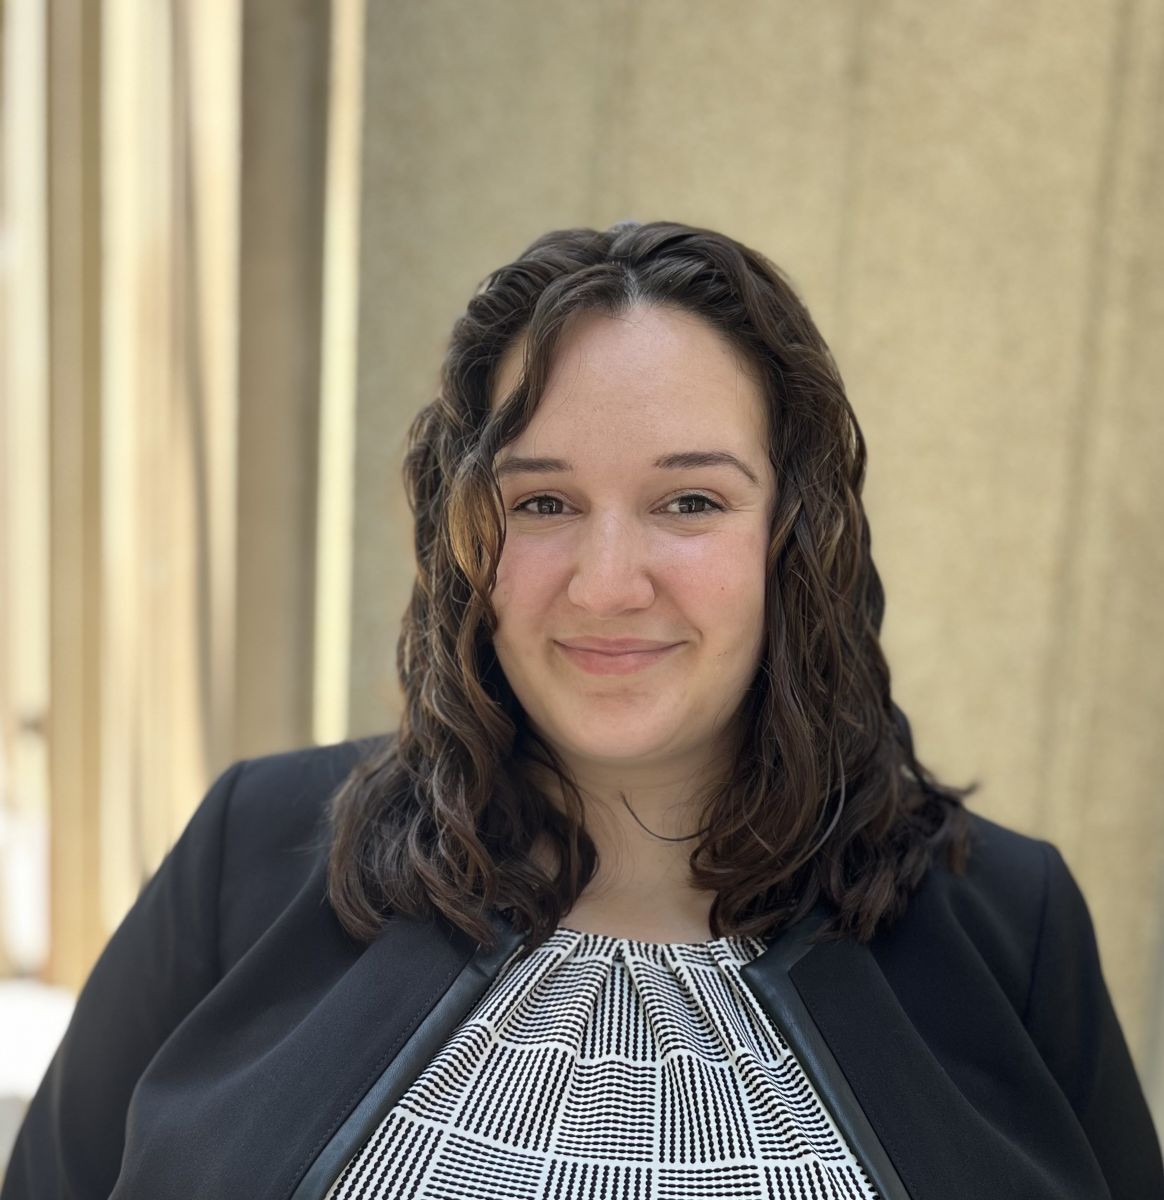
597 662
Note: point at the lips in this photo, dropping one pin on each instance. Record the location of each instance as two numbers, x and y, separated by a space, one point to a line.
614 645
616 662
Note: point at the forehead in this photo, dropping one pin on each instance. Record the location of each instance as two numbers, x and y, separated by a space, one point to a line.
652 365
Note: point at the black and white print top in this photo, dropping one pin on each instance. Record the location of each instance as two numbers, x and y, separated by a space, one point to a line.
611 1069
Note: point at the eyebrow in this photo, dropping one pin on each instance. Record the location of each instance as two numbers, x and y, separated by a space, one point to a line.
683 460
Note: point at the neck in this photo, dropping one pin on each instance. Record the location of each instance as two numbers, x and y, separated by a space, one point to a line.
644 826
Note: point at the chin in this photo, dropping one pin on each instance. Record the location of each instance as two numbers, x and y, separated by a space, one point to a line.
616 740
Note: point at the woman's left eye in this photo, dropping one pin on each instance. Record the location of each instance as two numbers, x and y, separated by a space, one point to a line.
696 496
686 498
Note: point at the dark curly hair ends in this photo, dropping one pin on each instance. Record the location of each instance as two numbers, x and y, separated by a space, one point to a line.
826 800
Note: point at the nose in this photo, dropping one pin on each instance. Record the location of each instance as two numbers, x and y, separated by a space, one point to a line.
611 572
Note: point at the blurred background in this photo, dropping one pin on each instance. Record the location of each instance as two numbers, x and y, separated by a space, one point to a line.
234 235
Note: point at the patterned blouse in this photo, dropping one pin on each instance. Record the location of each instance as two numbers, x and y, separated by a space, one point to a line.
604 1067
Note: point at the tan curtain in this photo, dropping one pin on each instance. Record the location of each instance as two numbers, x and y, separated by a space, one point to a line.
161 428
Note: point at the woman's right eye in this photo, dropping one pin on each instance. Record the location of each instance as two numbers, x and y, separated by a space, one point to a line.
547 499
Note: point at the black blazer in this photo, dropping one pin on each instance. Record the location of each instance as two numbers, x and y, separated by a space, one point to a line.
233 1042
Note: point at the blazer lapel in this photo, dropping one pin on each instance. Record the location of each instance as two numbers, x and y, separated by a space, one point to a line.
433 1020
770 980
940 1121
272 1063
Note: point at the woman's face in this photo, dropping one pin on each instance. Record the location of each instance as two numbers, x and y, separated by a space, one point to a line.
619 531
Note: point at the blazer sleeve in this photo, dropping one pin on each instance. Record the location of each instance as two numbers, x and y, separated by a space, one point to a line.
1072 1021
161 960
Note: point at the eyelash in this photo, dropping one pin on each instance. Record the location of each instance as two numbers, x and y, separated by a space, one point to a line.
715 507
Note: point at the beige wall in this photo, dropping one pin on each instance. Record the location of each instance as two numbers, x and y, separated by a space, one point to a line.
969 199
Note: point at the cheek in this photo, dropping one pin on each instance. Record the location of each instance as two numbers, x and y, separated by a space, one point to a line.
525 577
723 578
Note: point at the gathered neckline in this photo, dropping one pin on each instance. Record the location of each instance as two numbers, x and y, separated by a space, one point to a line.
616 940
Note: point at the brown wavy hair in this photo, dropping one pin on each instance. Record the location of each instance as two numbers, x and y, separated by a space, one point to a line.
826 801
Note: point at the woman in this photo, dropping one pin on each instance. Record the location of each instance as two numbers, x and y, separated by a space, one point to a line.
648 896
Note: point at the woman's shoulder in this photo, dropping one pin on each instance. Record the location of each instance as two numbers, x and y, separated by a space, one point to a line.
1015 895
281 798
1006 868
275 834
